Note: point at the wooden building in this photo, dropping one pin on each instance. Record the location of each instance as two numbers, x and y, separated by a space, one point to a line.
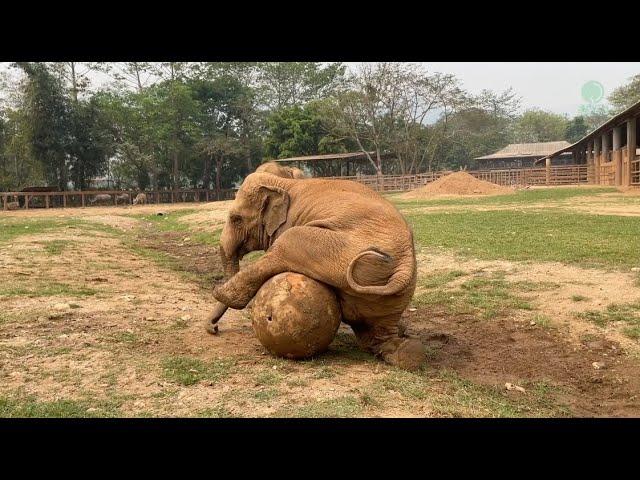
610 151
522 155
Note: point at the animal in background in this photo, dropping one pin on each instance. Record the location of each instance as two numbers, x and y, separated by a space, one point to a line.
140 199
101 199
124 198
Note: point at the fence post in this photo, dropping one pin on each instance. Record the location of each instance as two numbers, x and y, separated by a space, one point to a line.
26 202
46 201
548 170
4 201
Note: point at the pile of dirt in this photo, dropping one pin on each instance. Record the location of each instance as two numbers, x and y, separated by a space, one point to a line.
459 183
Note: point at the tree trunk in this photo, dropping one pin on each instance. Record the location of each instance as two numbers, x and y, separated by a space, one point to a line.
206 174
218 168
74 82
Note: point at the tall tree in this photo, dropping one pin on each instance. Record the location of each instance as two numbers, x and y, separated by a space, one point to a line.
540 126
576 129
49 121
626 95
284 84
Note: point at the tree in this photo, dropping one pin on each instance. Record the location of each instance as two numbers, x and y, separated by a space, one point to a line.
480 124
576 129
535 126
284 84
48 121
74 75
224 121
626 95
297 131
92 143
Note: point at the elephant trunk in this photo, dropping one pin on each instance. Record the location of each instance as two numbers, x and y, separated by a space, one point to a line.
230 263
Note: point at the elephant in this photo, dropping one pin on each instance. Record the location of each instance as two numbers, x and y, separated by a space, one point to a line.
281 171
140 199
338 232
103 198
124 198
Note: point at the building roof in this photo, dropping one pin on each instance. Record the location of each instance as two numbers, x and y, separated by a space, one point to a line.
328 157
515 150
612 122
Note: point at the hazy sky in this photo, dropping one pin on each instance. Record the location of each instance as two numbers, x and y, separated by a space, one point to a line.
550 86
554 86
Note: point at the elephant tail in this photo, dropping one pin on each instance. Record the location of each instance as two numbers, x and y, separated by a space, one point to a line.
398 281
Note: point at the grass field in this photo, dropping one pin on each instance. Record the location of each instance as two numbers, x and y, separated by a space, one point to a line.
101 312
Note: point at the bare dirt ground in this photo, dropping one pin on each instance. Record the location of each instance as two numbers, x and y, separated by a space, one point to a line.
107 321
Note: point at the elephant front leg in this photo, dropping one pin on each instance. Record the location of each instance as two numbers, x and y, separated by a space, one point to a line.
315 252
238 291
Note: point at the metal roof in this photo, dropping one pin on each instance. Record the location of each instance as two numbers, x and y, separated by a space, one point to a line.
328 157
612 122
514 150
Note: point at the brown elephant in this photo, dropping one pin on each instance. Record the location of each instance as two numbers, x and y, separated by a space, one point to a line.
281 171
338 232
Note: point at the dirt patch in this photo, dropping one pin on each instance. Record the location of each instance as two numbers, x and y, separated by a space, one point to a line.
559 355
511 350
594 287
459 183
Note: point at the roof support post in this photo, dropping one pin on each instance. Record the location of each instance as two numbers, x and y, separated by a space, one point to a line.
632 144
548 170
597 142
617 157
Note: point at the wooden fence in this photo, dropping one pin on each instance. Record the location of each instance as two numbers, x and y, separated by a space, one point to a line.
520 177
86 198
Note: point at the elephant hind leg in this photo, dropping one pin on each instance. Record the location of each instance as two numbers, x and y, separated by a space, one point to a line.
383 339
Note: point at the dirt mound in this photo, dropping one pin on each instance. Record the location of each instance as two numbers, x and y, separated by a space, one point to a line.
459 183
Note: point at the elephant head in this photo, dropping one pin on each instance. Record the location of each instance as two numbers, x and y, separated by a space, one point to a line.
258 211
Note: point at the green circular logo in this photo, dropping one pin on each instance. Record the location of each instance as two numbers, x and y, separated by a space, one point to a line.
592 91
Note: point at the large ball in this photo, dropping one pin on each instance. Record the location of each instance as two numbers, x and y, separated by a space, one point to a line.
295 316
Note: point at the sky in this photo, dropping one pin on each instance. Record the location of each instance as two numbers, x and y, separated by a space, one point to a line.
552 86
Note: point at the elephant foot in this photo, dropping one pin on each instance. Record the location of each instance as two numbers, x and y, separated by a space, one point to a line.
211 323
408 354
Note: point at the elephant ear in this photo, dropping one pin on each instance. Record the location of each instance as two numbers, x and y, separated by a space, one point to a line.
275 206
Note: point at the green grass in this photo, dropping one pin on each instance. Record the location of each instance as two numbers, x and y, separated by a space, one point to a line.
486 297
266 395
542 320
346 406
409 385
627 313
41 288
189 371
170 222
440 278
268 377
587 240
30 407
579 298
12 228
56 247
521 197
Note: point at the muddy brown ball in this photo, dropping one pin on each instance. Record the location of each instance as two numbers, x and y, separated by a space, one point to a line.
295 316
